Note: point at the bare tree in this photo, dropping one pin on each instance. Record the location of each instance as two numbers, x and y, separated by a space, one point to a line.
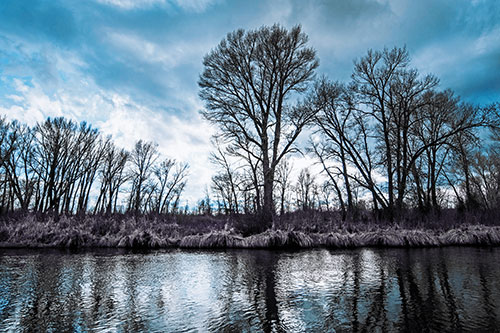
8 147
226 182
391 98
89 153
306 190
335 122
112 177
283 172
57 161
142 158
389 92
428 170
345 150
248 83
18 155
170 177
327 195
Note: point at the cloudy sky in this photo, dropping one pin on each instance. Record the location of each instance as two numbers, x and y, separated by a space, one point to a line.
130 67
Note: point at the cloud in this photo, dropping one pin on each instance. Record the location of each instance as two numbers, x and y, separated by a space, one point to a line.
126 121
471 71
185 141
131 67
167 55
187 5
132 4
194 5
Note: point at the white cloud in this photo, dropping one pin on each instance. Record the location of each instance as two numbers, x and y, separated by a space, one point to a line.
187 5
276 11
168 54
126 121
186 141
194 5
486 42
131 4
31 105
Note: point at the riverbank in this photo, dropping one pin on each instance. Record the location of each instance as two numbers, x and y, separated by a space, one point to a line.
72 232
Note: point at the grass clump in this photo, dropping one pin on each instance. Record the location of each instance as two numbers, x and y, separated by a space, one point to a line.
129 231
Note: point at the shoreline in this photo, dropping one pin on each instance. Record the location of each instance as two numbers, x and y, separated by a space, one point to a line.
393 237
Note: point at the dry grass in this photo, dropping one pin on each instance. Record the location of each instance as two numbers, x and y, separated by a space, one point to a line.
210 232
222 239
279 239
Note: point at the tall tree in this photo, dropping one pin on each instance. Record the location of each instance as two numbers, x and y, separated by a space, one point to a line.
170 177
392 98
226 181
57 160
18 164
306 190
248 83
283 179
112 177
143 157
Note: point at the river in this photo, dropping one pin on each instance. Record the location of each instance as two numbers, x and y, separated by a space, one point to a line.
436 289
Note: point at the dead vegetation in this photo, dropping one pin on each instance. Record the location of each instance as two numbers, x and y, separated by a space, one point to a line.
144 232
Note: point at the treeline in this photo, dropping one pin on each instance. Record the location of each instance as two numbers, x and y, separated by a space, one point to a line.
389 140
61 167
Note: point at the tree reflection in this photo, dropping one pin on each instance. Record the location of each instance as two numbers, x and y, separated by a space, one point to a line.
267 275
369 290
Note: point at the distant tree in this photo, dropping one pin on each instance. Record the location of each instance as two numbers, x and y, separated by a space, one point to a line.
142 158
170 180
17 162
112 177
205 204
306 190
485 181
326 191
248 83
226 182
58 150
4 135
283 172
8 146
250 175
89 152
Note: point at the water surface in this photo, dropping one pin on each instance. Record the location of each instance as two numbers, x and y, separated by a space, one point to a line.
438 289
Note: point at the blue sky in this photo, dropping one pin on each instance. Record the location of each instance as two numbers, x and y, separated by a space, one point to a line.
131 67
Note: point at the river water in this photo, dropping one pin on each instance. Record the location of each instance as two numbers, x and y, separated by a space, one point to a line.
438 289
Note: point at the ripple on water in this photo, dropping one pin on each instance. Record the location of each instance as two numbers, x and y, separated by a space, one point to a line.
446 289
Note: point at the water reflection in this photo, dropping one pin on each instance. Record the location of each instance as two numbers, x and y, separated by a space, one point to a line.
449 289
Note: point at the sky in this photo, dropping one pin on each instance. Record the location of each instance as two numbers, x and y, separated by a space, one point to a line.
130 68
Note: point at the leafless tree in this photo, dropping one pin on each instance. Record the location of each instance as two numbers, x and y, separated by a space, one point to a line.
345 150
18 155
57 161
170 179
142 158
227 181
89 153
248 83
306 190
112 177
388 108
283 181
389 92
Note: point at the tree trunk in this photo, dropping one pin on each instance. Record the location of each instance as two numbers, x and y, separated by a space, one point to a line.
268 207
